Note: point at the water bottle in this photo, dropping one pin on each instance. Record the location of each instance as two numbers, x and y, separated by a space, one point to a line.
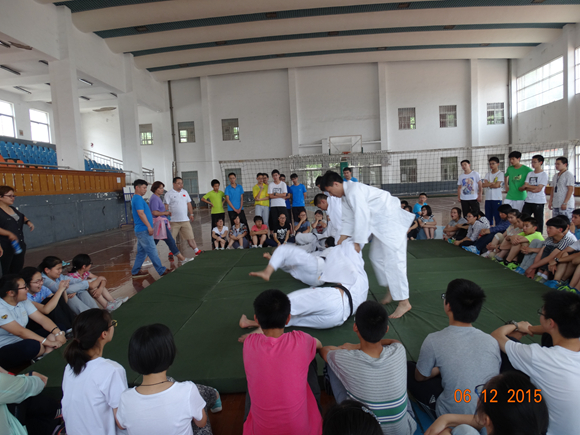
16 246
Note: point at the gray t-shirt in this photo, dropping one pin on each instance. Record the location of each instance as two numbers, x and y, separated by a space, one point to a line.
466 357
453 223
378 382
14 313
560 184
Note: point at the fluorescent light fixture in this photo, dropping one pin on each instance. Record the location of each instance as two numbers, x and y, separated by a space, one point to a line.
142 29
47 84
113 94
221 43
5 68
86 98
44 62
333 33
381 48
449 27
20 88
485 44
271 15
4 44
22 46
403 5
86 82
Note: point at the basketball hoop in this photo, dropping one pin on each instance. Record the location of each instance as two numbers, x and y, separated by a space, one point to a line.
346 152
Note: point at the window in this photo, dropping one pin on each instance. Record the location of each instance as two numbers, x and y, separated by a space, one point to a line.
238 172
495 114
146 134
501 158
577 69
407 119
447 116
309 174
7 127
186 132
230 129
408 170
190 182
39 126
541 86
449 168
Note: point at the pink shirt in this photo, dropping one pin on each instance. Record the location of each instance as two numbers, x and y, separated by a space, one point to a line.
277 370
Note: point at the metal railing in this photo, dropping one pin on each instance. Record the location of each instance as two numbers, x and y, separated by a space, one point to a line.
103 159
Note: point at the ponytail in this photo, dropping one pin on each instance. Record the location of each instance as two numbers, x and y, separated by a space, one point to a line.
49 262
87 328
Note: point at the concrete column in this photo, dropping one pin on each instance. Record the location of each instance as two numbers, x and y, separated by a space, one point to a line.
130 138
293 94
213 169
569 78
475 109
383 115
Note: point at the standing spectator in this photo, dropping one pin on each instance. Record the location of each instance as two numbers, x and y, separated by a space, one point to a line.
178 202
469 189
277 191
419 204
11 224
516 178
288 202
535 184
493 185
215 199
562 197
298 196
261 198
347 172
238 234
235 199
143 220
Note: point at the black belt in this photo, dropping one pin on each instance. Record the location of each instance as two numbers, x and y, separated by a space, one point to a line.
347 293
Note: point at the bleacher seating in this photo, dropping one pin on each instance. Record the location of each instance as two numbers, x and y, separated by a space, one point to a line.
29 154
92 165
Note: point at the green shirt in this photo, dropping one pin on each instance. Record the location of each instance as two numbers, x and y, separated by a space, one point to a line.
534 236
216 198
517 178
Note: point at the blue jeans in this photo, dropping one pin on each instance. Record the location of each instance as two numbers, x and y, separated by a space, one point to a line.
146 248
492 212
170 241
338 390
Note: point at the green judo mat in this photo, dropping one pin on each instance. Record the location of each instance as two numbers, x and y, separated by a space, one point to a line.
203 300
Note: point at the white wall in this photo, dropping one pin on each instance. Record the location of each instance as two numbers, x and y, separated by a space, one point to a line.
102 130
22 114
493 88
159 155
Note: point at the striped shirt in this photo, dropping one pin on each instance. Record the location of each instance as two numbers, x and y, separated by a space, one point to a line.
379 383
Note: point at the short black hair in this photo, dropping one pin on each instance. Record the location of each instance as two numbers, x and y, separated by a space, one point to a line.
293 176
515 154
258 218
319 197
266 175
494 159
319 212
563 159
151 349
515 212
504 208
372 321
232 173
557 222
9 283
140 182
330 242
408 208
531 220
176 178
465 161
350 418
272 308
539 158
318 181
282 176
428 208
49 262
423 194
347 169
214 182
259 174
465 299
564 309
275 171
404 203
330 178
524 216
576 212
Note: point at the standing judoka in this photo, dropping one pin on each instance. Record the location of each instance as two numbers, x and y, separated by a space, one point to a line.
333 208
366 209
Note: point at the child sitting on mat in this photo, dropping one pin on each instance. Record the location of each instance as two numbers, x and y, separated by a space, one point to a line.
259 232
220 235
493 247
427 222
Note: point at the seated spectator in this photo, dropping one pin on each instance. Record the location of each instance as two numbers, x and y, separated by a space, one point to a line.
494 247
457 226
305 237
220 235
457 357
81 300
319 225
522 240
566 268
281 232
238 235
404 204
278 367
91 385
259 232
302 226
54 306
476 224
350 418
540 254
19 345
487 235
506 245
555 370
575 227
498 412
373 371
81 269
160 405
414 229
427 222
420 203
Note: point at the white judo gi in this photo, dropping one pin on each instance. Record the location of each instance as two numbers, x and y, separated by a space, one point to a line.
365 210
334 212
326 307
300 264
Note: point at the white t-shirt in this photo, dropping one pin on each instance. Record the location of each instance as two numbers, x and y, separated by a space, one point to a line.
560 183
10 313
494 194
277 188
221 233
534 179
556 371
89 398
169 412
177 202
469 186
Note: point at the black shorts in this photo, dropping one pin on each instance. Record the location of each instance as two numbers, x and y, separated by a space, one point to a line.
296 212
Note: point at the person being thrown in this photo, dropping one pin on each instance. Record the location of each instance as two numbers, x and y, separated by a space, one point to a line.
368 210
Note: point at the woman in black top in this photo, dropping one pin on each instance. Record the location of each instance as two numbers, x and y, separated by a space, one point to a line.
11 224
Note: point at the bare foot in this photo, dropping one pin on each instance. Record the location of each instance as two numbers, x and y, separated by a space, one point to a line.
264 274
402 308
247 323
387 299
267 255
242 338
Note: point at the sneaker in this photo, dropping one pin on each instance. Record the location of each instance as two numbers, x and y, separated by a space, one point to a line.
170 257
553 284
147 263
259 246
199 252
253 246
123 300
566 288
541 278
485 254
167 272
187 260
471 249
112 306
452 241
520 270
240 247
498 259
491 255
512 266
217 406
141 274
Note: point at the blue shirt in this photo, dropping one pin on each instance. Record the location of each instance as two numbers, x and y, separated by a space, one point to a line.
417 209
500 227
235 196
297 195
577 233
138 203
302 227
351 179
40 296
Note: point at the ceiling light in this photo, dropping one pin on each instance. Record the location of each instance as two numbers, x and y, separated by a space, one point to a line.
538 1
142 29
403 5
485 44
44 62
280 55
4 44
113 94
105 109
333 33
23 46
381 48
449 27
271 15
85 82
86 98
183 65
5 68
47 84
22 89
221 42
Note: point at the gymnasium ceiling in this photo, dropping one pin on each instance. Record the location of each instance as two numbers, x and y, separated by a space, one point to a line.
177 39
